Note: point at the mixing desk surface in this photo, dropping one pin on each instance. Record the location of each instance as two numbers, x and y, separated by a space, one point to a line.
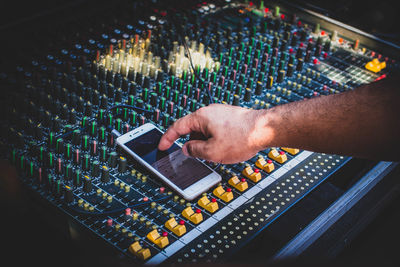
152 62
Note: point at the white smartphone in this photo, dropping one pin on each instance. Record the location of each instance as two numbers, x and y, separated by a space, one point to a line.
188 176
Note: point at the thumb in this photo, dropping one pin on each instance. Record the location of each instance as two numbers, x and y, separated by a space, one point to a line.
196 149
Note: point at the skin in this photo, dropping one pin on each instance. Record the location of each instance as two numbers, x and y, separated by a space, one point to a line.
364 123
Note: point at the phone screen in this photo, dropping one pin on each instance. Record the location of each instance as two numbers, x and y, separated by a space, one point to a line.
181 170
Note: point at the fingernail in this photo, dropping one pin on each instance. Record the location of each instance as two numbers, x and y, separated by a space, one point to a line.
185 151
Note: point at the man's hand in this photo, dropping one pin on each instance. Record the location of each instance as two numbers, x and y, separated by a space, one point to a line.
220 133
364 122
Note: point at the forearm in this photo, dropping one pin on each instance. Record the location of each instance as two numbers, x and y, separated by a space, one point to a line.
363 123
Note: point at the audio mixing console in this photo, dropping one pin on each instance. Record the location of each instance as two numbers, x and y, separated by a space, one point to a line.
157 63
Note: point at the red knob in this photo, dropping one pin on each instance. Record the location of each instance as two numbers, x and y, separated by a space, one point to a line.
127 211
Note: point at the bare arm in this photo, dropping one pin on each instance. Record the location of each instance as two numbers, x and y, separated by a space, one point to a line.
364 123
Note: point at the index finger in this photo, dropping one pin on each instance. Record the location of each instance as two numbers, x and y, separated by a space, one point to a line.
182 126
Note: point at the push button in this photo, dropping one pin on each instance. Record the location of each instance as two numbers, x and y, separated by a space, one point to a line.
137 250
291 151
268 166
173 226
220 193
210 206
375 65
240 185
253 175
277 156
157 239
194 217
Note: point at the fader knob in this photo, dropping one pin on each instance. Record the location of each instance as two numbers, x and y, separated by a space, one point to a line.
80 104
281 76
327 45
86 162
96 97
93 128
103 153
68 172
170 108
88 109
95 168
59 166
64 112
300 63
193 105
247 95
110 140
72 116
68 194
104 102
77 177
60 145
259 88
76 137
85 142
146 82
105 174
179 112
118 96
290 70
307 58
145 94
102 134
68 151
156 115
93 147
236 100
166 119
51 139
318 51
87 184
113 159
50 159
122 164
77 156
270 82
153 99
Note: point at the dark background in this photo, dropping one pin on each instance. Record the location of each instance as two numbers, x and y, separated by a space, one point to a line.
376 17
23 231
379 18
